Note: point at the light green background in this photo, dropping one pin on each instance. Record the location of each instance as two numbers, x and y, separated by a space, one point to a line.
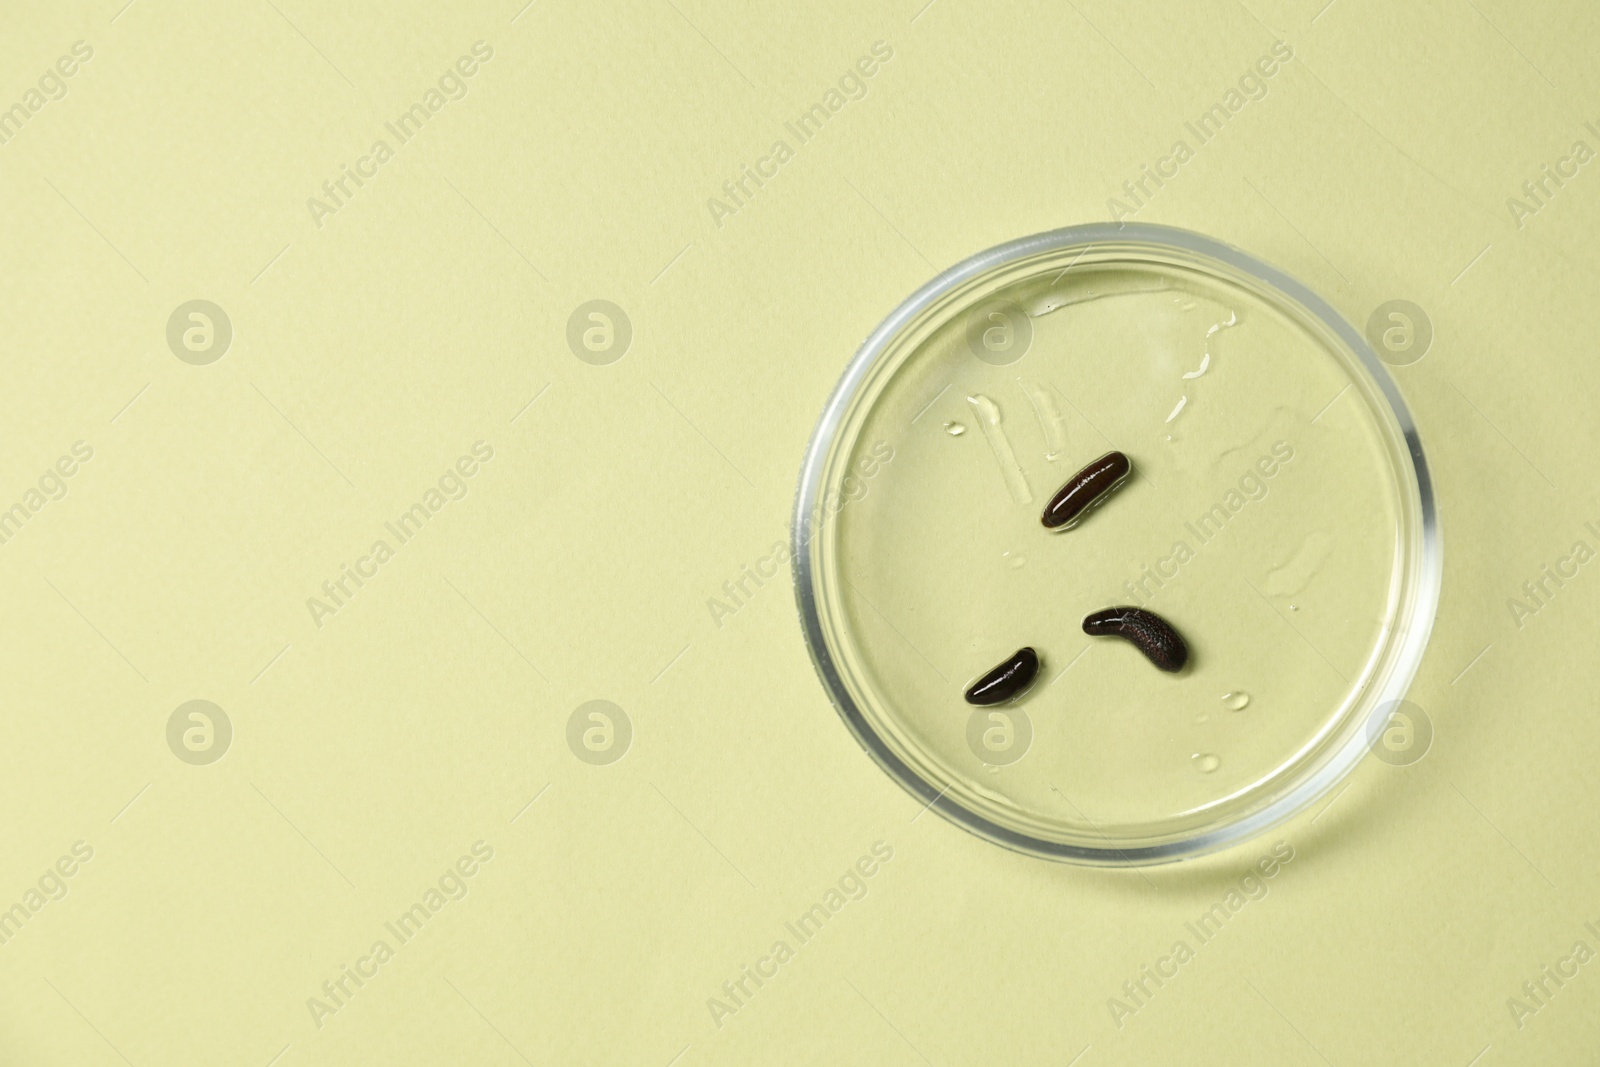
368 354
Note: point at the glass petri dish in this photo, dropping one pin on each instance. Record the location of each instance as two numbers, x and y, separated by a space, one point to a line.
1279 514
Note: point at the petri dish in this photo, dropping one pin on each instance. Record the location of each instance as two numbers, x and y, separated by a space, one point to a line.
1279 515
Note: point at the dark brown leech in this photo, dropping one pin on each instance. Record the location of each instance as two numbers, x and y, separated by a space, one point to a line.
1145 630
1006 681
1084 490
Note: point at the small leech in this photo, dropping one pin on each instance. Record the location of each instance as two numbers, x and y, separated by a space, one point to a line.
1084 490
1144 630
1007 681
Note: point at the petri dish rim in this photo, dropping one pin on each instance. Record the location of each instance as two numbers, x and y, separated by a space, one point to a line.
1424 549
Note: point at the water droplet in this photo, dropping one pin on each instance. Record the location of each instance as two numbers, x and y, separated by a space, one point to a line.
1049 418
1206 762
1295 574
1294 607
991 422
1236 701
954 429
1016 559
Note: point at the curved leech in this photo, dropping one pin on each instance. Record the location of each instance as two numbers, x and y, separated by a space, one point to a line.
1007 681
1144 630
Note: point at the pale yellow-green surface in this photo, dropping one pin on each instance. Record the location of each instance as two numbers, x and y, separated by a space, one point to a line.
375 344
